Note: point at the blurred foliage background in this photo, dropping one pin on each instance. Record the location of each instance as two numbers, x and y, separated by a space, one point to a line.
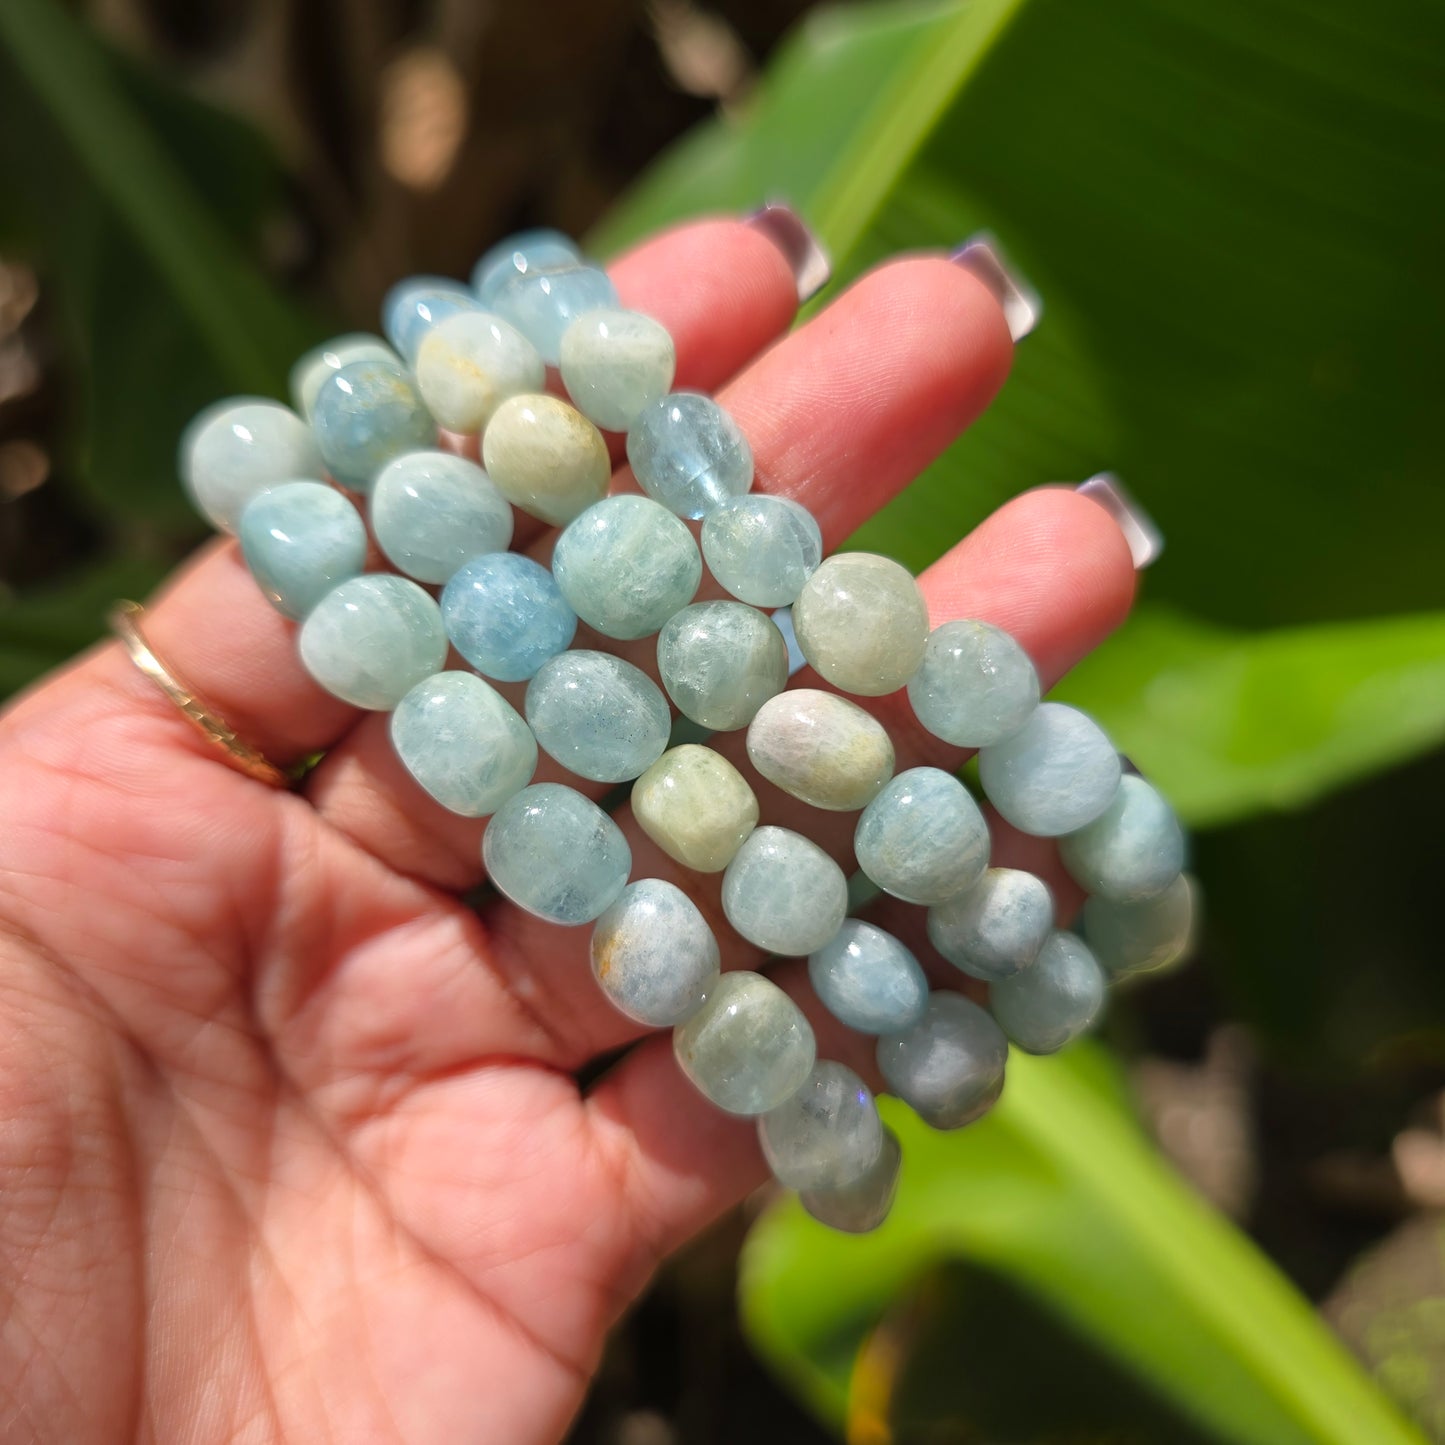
1234 213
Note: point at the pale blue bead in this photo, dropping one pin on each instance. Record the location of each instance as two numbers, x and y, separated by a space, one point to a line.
653 953
1055 774
1052 1001
949 1067
614 364
863 1205
600 717
235 450
975 685
626 565
541 249
783 893
689 454
1130 938
299 540
319 363
868 980
748 1047
543 303
413 306
997 927
371 639
504 614
366 414
762 548
432 511
1132 851
556 854
720 662
923 838
827 1135
464 743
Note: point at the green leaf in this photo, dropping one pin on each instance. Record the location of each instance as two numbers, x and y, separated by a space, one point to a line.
1058 1191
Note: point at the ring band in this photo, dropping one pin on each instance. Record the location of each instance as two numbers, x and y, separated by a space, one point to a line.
124 621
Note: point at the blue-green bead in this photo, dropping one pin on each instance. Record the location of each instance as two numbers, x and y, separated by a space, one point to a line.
1055 774
1052 1001
868 980
997 927
321 361
626 565
975 685
504 614
544 302
923 838
863 1205
371 639
720 662
653 953
689 454
366 414
556 854
463 742
762 548
600 717
432 511
614 363
413 306
1129 938
235 450
949 1067
783 893
1132 851
299 540
540 249
827 1135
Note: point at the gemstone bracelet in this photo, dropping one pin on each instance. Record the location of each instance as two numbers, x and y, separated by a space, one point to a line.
473 361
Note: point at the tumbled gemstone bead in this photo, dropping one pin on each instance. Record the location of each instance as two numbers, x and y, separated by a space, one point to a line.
614 363
371 639
366 414
748 1047
299 540
626 565
600 717
862 1206
464 743
413 306
827 1135
556 854
1055 774
695 806
504 614
469 364
923 838
539 249
321 361
974 686
862 623
543 302
432 511
868 980
689 454
762 548
1129 938
653 953
1131 851
546 457
234 451
720 662
997 927
949 1067
1053 1000
783 893
821 748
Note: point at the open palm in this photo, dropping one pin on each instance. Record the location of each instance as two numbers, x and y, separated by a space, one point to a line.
291 1142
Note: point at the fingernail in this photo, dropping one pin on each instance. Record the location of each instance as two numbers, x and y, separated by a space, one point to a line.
802 250
1145 539
1022 306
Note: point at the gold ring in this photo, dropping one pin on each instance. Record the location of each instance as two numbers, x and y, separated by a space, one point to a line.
125 623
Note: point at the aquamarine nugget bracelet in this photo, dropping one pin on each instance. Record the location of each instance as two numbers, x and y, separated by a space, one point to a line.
474 361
